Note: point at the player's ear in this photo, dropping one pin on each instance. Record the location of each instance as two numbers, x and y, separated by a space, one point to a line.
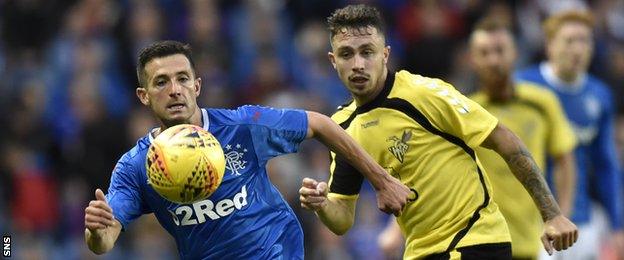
141 93
332 59
197 86
386 53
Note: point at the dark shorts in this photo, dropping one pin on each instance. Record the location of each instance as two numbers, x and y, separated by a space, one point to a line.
498 251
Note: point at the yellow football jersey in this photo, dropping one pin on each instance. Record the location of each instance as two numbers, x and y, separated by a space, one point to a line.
423 132
535 115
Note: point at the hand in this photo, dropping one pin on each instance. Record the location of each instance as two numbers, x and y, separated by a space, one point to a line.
313 194
393 196
98 215
559 234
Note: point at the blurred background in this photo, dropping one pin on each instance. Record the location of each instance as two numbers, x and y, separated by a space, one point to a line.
67 81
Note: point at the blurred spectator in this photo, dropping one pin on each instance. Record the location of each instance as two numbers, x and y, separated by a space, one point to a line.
429 29
258 30
146 25
267 79
211 52
32 185
615 73
312 73
91 145
34 200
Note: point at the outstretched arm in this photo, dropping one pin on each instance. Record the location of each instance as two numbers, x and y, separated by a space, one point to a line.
102 229
392 195
558 230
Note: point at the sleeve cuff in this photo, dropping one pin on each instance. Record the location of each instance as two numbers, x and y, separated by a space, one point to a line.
342 196
477 142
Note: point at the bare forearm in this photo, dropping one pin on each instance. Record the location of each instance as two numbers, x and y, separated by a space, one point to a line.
526 171
104 240
337 215
565 182
337 140
521 163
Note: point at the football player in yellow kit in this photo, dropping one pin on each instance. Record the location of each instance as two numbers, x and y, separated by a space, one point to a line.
424 132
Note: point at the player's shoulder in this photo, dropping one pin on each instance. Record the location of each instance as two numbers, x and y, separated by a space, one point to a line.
344 111
478 96
407 80
245 114
534 92
598 86
134 158
419 90
139 149
224 116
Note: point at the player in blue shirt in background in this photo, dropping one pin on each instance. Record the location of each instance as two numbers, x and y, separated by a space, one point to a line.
588 104
246 218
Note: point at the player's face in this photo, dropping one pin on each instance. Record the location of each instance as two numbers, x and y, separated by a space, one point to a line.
570 49
493 55
359 55
171 90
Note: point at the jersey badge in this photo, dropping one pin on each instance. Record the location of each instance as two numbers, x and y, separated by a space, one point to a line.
234 159
399 146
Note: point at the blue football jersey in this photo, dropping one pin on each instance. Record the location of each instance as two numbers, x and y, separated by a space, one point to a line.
589 107
246 217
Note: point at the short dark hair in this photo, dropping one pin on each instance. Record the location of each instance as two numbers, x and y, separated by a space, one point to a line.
355 16
158 50
491 24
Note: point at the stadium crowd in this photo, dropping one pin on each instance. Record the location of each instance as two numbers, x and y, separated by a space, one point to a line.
68 80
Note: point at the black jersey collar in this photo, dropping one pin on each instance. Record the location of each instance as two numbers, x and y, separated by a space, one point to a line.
376 102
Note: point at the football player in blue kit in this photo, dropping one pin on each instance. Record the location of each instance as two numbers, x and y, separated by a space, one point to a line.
589 106
246 217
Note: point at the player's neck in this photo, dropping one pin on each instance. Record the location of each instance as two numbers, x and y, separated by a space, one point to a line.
379 85
499 92
568 77
195 119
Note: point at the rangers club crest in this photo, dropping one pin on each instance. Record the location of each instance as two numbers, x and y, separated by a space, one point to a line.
234 159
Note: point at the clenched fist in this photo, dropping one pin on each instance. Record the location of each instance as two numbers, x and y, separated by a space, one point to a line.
559 234
313 194
393 196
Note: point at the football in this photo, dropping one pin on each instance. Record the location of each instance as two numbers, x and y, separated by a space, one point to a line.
185 164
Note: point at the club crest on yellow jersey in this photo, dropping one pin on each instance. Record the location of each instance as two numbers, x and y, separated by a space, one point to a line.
399 146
